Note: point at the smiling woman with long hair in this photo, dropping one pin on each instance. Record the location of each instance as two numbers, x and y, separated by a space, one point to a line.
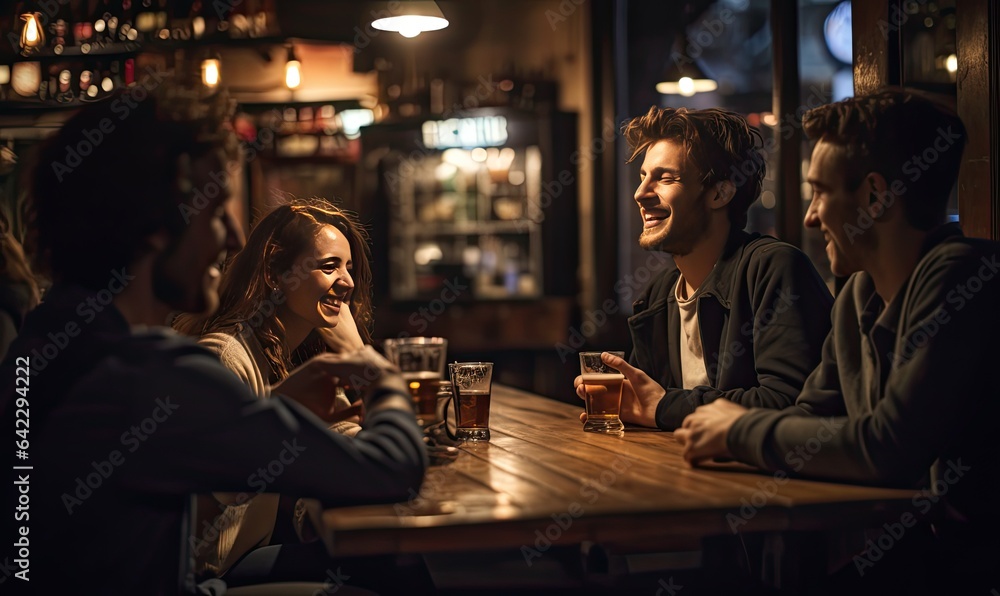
300 286
283 293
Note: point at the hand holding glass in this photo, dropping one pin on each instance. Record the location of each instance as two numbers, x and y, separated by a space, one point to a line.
603 386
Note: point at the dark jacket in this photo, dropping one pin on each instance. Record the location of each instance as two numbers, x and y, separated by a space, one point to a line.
763 314
126 424
906 394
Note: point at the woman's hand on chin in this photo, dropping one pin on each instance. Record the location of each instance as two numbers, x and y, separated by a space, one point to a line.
344 337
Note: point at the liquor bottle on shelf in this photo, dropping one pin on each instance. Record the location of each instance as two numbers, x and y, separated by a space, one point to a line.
89 85
145 20
64 92
126 24
83 30
239 24
109 16
199 24
60 30
129 72
162 30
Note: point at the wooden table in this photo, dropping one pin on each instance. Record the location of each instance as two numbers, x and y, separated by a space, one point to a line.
542 476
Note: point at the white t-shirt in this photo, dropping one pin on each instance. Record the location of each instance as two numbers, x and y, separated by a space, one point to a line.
693 371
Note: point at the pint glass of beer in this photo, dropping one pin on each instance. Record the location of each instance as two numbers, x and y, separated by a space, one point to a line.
421 360
471 383
603 385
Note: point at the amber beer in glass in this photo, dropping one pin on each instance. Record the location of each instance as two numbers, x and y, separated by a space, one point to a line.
421 361
471 384
423 386
603 386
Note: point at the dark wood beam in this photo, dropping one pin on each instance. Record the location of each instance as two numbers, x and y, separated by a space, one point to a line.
787 175
978 93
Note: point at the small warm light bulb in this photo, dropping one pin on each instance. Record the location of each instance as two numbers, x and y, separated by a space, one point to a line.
686 86
31 35
210 72
31 31
293 74
409 31
951 63
198 27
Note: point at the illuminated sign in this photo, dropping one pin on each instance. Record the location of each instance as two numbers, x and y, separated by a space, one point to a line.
486 131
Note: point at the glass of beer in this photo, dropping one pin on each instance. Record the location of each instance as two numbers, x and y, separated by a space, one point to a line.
471 383
421 360
603 385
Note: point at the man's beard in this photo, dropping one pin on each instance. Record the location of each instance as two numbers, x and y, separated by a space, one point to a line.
679 240
171 289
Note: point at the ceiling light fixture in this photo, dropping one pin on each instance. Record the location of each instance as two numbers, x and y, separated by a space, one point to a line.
683 75
412 17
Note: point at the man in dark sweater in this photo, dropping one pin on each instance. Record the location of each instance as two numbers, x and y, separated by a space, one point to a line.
738 316
128 420
906 393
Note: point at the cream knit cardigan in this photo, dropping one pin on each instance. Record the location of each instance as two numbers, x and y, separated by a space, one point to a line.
243 527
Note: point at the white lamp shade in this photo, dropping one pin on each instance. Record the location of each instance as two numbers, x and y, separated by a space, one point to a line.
412 18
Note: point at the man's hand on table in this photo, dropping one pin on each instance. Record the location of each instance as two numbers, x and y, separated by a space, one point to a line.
640 393
703 432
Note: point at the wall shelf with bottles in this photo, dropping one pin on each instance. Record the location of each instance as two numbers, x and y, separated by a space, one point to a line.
45 29
62 55
464 217
468 206
305 131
